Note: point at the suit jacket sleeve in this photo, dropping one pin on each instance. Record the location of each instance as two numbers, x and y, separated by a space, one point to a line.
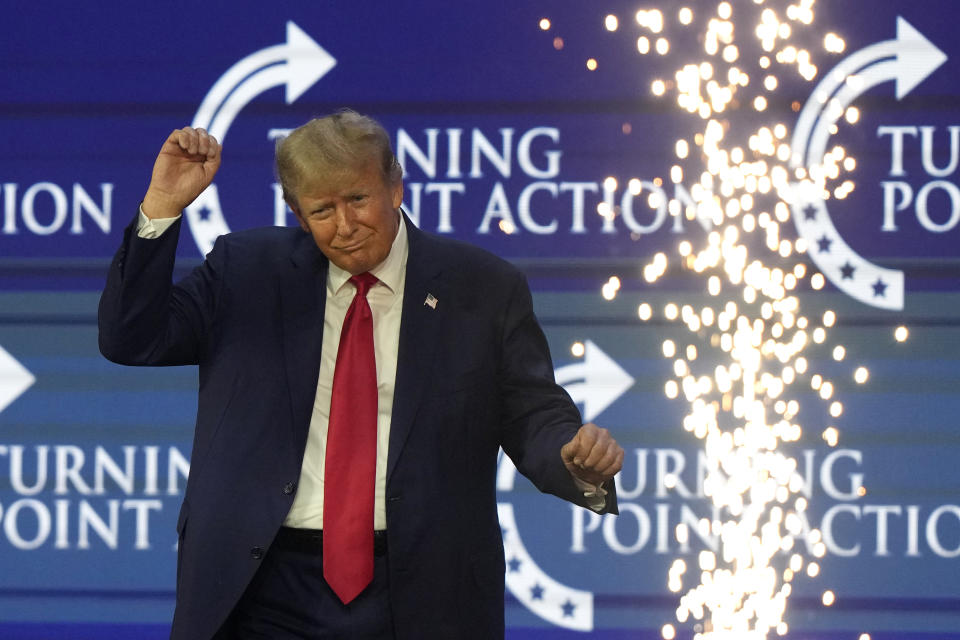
143 318
538 417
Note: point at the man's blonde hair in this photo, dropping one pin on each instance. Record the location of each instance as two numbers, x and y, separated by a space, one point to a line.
331 148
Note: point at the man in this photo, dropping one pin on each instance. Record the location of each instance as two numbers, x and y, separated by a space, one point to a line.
357 379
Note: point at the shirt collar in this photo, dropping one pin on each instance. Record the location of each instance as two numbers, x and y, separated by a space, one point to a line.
390 272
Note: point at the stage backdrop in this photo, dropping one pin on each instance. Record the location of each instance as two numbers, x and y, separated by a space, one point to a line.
546 143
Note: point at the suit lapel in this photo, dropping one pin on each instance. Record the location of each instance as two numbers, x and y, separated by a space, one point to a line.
303 295
417 343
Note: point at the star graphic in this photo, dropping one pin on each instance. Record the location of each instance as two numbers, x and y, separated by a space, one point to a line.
879 289
568 608
847 271
204 213
536 592
809 212
824 243
515 565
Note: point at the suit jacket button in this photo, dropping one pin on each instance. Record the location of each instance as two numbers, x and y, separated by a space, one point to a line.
289 488
256 553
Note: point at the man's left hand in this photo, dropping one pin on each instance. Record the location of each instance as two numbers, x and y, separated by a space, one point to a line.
592 455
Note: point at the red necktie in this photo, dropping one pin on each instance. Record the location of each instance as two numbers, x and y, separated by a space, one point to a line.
351 458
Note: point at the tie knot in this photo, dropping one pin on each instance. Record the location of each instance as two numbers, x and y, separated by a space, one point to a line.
363 282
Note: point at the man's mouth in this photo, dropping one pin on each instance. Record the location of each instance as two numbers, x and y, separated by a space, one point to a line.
350 247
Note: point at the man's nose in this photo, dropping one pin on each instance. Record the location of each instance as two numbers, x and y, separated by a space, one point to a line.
346 221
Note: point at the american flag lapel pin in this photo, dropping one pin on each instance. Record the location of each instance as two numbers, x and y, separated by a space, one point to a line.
430 301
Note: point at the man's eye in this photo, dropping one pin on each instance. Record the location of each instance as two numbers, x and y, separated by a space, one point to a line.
359 197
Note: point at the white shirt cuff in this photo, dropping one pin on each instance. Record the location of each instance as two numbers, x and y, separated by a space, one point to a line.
595 494
152 228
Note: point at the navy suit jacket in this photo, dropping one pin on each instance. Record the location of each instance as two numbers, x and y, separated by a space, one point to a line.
474 374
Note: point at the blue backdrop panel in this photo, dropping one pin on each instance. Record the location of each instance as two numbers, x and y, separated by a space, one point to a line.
507 141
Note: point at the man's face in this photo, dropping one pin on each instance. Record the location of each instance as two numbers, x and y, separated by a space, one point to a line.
353 221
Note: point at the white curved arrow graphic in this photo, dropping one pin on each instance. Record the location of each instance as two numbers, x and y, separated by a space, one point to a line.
14 379
907 60
596 382
296 64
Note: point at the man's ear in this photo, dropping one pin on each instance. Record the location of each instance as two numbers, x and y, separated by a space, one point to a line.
397 194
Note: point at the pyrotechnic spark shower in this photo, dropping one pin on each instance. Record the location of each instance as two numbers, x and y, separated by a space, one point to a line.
744 364
743 409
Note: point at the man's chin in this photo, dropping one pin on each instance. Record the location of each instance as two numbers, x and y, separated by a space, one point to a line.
357 260
353 263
